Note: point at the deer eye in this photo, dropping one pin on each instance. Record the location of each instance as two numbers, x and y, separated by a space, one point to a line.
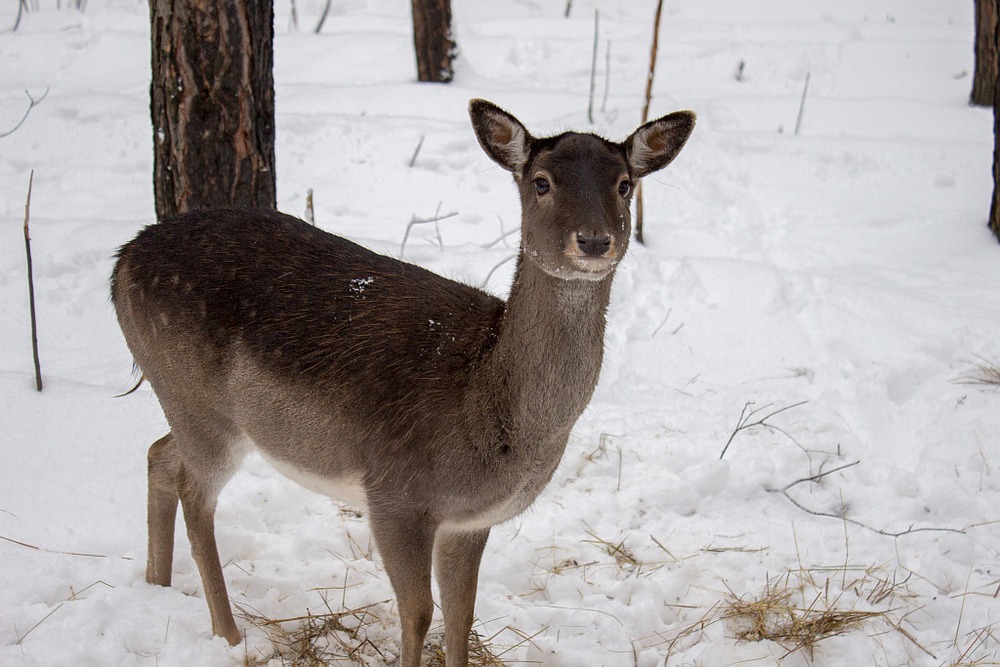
624 188
541 185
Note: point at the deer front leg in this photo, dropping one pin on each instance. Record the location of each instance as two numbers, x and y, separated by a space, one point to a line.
406 543
456 563
161 510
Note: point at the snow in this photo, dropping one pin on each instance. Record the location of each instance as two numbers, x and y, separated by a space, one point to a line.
844 273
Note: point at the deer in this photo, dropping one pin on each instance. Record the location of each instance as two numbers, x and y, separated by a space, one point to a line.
438 408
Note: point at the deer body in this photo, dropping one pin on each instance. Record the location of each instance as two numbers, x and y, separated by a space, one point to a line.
440 408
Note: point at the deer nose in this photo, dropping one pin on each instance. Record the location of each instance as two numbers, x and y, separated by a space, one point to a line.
594 244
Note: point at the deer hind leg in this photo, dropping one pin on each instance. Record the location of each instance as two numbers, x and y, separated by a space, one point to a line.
198 500
161 509
456 564
406 544
200 455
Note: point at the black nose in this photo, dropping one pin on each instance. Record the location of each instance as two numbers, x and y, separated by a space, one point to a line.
594 245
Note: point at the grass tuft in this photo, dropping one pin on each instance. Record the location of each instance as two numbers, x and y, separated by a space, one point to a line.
983 372
342 639
796 611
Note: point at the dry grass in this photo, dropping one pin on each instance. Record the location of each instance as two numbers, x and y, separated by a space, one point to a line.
984 372
482 653
342 639
317 640
794 613
978 648
804 607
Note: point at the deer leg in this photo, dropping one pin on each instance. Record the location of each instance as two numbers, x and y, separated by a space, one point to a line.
456 565
161 510
406 544
198 500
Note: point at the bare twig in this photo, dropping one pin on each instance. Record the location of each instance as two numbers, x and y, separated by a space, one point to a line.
593 66
31 286
502 236
44 618
495 267
569 6
53 551
416 151
748 413
645 112
802 105
20 10
607 77
322 19
310 211
842 515
414 220
32 103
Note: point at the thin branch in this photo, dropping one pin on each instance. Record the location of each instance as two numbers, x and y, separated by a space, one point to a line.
501 238
416 151
607 77
20 9
414 220
645 113
44 618
819 476
32 103
842 516
593 66
31 286
310 211
495 267
802 105
322 19
747 414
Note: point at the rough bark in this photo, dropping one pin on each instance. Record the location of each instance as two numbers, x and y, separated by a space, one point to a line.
433 41
994 221
984 81
212 104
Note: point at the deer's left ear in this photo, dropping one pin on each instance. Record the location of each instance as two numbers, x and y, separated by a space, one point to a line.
654 145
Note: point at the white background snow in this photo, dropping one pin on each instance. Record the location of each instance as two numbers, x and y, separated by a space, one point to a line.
847 268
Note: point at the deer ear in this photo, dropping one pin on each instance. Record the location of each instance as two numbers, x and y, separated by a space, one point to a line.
654 145
502 136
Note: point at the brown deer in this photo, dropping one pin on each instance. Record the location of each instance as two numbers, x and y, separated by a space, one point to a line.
439 408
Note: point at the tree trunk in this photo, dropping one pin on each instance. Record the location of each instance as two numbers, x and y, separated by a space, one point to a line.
984 81
212 104
994 221
433 40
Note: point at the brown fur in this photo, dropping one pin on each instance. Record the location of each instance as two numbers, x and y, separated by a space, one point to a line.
450 408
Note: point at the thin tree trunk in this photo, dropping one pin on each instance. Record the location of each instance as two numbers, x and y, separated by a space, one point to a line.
433 41
639 208
212 104
994 221
984 81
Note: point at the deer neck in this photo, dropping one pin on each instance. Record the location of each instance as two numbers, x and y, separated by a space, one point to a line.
549 350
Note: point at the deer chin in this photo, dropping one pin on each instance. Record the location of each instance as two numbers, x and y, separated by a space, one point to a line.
580 267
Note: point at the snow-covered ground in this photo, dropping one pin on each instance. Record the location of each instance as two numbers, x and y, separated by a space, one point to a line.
844 273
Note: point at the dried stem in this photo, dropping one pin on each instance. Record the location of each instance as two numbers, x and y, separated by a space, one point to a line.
802 105
747 414
31 285
32 103
593 66
645 112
